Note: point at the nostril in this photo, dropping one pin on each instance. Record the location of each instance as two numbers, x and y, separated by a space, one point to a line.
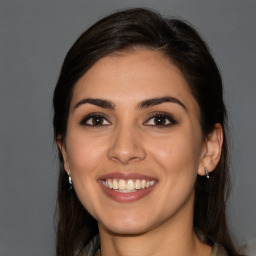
126 145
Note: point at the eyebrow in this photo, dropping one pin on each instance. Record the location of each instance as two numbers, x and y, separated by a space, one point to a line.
98 102
144 104
157 101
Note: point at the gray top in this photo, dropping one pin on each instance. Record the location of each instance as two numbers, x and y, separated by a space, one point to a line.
218 250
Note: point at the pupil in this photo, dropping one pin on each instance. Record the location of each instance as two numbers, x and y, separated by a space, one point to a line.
97 121
160 120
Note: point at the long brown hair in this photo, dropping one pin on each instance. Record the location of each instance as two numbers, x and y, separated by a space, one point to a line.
182 45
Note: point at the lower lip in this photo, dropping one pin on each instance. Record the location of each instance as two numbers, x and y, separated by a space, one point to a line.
126 197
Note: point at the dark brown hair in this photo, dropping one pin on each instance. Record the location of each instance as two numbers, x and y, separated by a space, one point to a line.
181 44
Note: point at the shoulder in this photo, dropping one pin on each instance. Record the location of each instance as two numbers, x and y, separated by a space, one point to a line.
218 250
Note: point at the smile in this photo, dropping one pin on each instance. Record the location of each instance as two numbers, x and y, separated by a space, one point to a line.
127 186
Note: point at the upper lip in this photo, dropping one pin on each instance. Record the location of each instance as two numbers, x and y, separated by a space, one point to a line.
125 176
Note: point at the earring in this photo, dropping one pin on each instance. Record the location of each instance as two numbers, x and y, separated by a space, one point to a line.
70 182
206 173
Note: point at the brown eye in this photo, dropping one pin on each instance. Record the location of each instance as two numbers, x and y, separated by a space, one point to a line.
95 120
161 120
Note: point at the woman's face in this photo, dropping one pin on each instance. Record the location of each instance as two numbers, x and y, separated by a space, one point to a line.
134 144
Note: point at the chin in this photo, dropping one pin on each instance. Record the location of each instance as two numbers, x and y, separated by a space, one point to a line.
126 231
126 226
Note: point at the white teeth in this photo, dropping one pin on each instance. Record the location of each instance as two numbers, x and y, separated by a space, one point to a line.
122 185
126 186
151 183
130 185
110 184
138 184
143 184
115 184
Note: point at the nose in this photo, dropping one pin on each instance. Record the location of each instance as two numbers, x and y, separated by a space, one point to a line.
126 146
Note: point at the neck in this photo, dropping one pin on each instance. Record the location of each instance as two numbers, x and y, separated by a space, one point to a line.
174 237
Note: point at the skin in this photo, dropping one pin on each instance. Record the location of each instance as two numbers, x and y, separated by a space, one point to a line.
128 140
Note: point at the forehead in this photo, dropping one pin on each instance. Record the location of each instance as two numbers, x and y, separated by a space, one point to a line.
133 76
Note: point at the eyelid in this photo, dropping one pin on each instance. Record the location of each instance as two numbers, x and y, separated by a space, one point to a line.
94 114
168 116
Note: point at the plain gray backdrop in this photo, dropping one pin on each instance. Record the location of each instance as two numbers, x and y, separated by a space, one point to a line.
35 36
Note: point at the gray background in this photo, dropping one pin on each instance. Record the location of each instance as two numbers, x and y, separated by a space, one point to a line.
35 36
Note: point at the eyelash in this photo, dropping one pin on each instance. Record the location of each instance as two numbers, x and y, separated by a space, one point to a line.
166 116
94 115
152 116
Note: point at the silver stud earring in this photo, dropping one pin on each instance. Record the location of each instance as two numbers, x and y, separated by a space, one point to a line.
70 182
206 173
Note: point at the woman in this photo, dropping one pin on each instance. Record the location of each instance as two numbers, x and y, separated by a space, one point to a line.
139 120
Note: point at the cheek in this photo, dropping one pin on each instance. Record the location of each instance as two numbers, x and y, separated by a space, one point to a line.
83 153
176 153
178 159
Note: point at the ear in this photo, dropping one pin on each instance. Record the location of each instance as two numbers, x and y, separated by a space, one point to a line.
62 148
212 150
